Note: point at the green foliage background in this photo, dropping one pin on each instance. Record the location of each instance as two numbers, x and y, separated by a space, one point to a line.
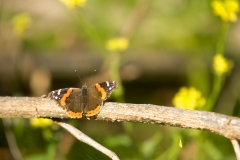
173 31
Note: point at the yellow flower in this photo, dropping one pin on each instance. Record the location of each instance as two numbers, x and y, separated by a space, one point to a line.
41 122
226 9
117 44
74 3
20 23
188 98
180 143
221 65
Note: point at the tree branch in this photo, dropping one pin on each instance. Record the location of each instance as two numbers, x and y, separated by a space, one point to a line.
26 107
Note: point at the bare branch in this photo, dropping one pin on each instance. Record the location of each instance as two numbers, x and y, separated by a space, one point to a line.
84 138
26 107
236 148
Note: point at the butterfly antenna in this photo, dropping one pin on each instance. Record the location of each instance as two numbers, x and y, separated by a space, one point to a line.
94 71
78 76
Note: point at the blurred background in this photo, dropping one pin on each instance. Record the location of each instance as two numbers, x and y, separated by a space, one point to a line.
160 52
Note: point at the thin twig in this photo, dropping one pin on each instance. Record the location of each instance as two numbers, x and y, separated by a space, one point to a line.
64 146
84 138
11 139
135 19
26 107
236 148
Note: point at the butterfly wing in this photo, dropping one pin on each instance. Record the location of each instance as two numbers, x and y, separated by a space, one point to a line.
69 99
97 94
95 102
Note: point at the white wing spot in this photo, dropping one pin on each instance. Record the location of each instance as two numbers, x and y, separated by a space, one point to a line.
59 91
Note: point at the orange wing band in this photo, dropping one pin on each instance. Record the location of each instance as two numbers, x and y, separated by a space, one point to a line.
94 112
74 114
103 92
65 96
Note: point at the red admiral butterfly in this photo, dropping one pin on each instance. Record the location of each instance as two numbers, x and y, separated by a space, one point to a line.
85 101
